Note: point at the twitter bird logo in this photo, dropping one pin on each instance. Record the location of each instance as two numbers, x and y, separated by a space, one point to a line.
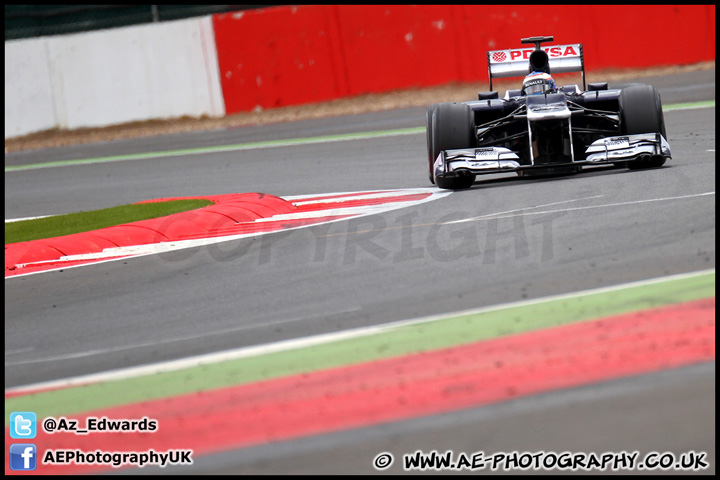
23 425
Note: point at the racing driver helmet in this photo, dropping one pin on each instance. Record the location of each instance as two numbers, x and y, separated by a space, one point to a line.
538 82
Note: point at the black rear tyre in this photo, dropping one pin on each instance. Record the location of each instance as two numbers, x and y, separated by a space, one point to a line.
641 112
450 126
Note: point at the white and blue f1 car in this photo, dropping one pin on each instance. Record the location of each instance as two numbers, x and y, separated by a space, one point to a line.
554 129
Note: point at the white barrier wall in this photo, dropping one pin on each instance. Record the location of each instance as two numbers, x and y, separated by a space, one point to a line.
106 77
28 88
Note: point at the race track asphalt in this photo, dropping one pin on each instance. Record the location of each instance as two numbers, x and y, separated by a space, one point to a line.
605 226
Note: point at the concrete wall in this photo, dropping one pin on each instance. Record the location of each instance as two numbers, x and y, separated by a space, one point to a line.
28 88
112 76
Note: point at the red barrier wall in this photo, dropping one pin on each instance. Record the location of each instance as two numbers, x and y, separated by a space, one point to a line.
283 56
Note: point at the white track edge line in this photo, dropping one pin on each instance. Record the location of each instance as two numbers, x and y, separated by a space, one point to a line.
285 345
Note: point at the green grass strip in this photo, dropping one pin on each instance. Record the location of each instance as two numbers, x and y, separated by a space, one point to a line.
221 148
690 105
390 342
60 225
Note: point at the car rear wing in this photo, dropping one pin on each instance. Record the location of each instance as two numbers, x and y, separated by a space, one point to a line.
515 62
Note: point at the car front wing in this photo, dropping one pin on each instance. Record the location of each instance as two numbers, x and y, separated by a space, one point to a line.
608 150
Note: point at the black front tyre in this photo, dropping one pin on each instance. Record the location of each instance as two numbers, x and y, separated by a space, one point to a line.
428 133
641 112
450 126
456 183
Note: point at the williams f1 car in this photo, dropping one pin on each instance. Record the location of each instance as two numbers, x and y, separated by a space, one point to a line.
544 128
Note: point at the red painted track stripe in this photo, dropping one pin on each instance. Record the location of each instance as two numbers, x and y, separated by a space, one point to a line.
340 195
231 214
248 205
364 202
262 227
411 386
